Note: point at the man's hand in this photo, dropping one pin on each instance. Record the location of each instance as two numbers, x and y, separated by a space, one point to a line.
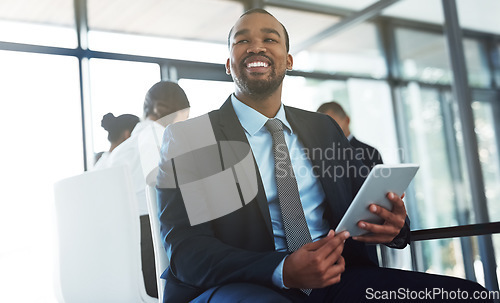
394 221
317 264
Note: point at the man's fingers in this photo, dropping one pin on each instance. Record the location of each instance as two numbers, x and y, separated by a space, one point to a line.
335 271
321 242
381 229
335 255
397 202
332 244
390 218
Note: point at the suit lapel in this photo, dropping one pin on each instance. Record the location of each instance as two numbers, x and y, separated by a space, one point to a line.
309 135
231 130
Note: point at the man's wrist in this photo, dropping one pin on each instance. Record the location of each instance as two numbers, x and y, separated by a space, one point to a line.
278 275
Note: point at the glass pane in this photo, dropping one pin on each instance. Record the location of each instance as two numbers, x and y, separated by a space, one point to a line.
309 94
497 71
488 155
168 29
479 15
458 257
430 11
444 257
423 56
368 102
372 117
496 245
354 51
40 22
204 95
117 87
294 21
41 144
352 4
158 47
477 66
441 194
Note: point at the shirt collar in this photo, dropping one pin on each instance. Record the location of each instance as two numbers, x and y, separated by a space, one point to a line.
253 121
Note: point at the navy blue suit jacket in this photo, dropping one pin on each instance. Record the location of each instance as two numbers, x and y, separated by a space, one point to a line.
239 247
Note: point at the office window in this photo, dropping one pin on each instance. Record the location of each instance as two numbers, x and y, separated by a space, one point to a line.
372 117
40 22
353 51
423 56
204 95
368 102
117 87
167 29
354 5
442 194
497 71
309 94
476 61
496 244
294 21
489 156
41 144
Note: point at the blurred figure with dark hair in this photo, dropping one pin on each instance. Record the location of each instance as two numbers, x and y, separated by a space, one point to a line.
119 129
370 155
165 103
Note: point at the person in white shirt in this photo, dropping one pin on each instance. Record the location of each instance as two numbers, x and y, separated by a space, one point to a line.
119 129
165 103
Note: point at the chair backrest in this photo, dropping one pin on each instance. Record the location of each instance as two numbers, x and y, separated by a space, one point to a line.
99 238
161 258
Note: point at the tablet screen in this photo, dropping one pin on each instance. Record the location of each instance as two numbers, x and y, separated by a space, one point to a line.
383 178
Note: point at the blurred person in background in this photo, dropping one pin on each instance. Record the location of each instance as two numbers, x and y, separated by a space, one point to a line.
370 155
165 103
119 129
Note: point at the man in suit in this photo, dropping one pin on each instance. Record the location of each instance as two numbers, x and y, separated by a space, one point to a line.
370 155
245 255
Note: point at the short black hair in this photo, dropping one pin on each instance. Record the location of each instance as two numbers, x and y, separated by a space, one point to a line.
261 11
333 106
165 92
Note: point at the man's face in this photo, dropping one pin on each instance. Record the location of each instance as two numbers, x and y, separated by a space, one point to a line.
258 57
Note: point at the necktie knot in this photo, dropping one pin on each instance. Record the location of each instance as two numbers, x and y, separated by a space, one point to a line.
274 125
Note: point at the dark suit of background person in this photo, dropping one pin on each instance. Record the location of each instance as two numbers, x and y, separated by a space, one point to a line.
233 258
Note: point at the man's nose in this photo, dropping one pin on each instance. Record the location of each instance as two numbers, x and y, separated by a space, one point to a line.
256 48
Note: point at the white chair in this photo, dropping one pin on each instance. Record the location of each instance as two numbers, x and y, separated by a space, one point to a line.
99 239
161 258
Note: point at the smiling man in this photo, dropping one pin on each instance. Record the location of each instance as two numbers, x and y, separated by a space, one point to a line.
280 246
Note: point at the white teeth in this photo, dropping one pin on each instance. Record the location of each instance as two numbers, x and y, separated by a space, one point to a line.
257 64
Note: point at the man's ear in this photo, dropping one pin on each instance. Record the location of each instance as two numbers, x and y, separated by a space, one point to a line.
228 68
289 62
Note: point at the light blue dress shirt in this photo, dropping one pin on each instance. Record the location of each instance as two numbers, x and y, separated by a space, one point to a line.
310 190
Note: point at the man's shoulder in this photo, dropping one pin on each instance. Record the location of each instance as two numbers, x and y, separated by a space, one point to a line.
356 143
308 115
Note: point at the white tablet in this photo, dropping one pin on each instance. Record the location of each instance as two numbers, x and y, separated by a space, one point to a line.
382 179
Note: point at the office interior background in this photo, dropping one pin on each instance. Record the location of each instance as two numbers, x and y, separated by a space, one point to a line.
412 90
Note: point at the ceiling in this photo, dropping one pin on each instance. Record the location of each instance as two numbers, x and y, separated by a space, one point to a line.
210 20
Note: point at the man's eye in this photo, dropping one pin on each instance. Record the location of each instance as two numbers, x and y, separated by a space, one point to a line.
241 41
270 40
